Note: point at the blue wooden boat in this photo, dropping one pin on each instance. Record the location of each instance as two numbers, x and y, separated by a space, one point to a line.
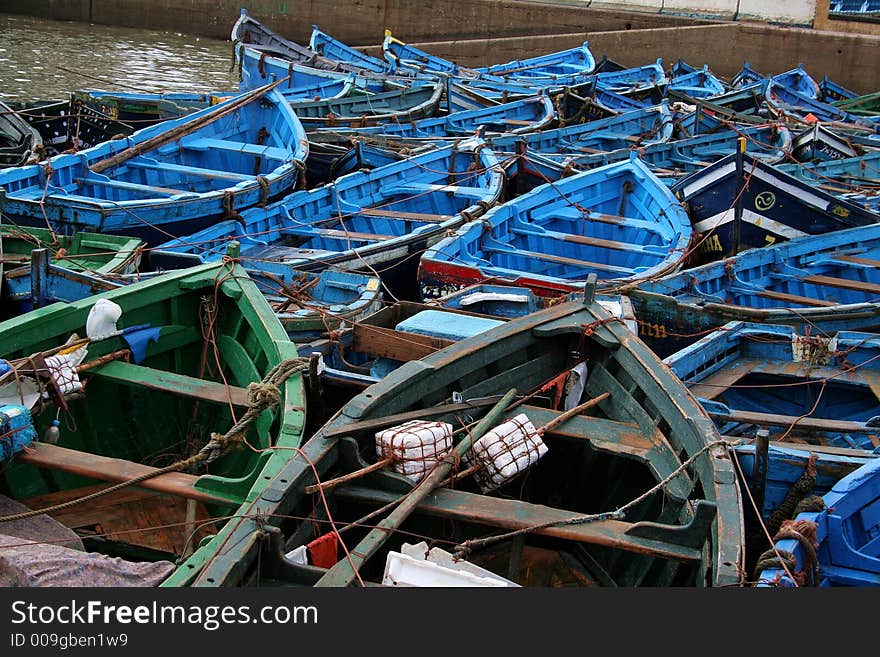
618 222
19 141
788 101
782 479
577 61
699 83
828 282
40 267
629 130
812 388
398 105
312 304
364 220
671 159
818 143
68 125
851 173
248 30
144 109
797 80
830 91
845 551
737 204
326 46
748 99
527 115
168 179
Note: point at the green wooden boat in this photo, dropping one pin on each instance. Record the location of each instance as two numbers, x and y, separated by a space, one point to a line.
171 378
26 286
867 105
586 510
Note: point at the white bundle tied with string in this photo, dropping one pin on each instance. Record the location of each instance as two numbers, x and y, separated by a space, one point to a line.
62 368
415 446
505 451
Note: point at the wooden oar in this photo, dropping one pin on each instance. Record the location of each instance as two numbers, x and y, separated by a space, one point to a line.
182 130
344 571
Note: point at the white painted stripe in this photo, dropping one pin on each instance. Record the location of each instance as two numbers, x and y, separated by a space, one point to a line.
753 218
708 180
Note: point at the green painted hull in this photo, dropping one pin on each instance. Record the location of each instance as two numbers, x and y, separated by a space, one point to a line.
630 442
166 407
87 252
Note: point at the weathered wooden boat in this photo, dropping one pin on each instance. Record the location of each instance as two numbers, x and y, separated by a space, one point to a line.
312 304
828 282
37 265
520 116
627 459
259 67
496 300
800 388
628 130
618 221
248 31
781 479
405 105
168 179
831 92
834 546
740 202
699 83
69 124
797 80
839 176
573 62
332 155
672 159
787 101
867 105
363 220
144 109
326 46
818 143
748 99
707 118
166 365
19 142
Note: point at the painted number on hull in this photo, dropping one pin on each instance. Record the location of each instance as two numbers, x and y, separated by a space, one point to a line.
653 330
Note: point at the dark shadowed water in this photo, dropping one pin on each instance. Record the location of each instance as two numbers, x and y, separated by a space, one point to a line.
45 60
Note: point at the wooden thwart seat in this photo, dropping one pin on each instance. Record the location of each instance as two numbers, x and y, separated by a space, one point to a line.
513 514
178 384
104 468
560 259
129 186
843 283
189 170
405 216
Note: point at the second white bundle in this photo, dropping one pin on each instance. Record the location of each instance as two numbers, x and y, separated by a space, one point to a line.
415 446
505 451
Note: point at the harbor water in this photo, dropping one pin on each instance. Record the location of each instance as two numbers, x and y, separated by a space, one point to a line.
46 60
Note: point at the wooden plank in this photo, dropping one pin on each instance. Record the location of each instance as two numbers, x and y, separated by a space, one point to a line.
62 459
843 283
808 423
207 143
513 514
178 384
405 216
560 259
348 234
718 382
381 341
129 186
857 260
794 298
189 170
603 243
620 438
